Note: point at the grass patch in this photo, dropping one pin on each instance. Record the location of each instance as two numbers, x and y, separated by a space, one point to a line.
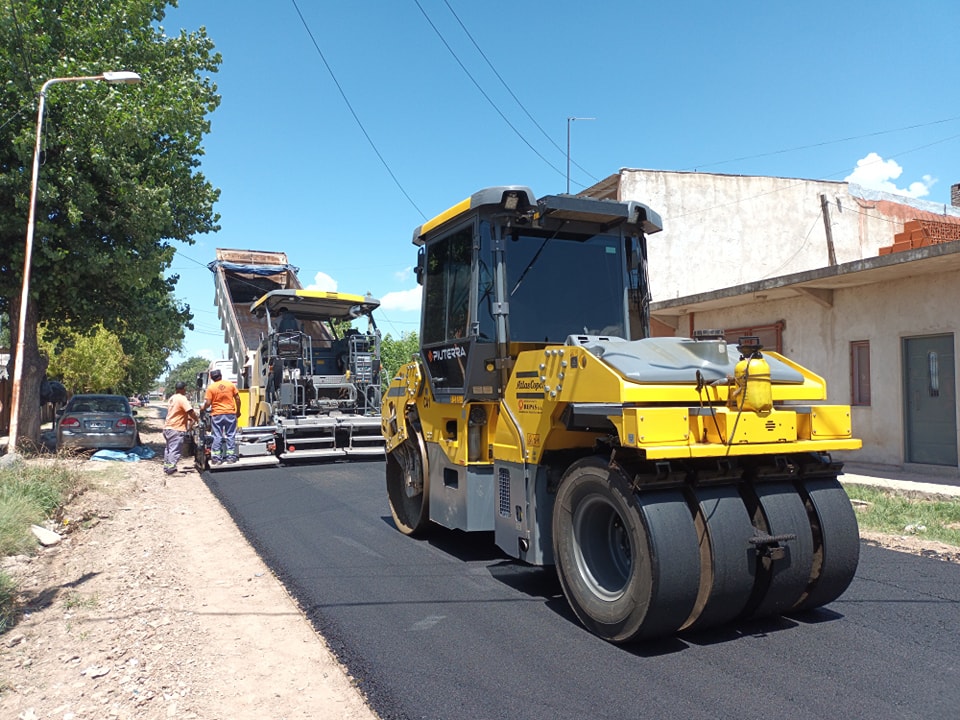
8 602
29 494
75 600
897 513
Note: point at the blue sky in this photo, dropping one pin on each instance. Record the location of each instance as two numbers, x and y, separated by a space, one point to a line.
457 95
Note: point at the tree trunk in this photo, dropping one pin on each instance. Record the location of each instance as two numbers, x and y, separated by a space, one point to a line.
34 370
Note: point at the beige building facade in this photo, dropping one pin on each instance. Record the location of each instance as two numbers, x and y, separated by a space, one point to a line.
857 285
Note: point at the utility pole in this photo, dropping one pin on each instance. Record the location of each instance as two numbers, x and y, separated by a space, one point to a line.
825 208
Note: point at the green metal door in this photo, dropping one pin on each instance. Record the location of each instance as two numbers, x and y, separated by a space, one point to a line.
931 400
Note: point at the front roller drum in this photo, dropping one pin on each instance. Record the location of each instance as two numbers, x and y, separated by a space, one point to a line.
628 562
407 485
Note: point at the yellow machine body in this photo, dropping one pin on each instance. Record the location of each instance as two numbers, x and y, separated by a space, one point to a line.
672 486
662 421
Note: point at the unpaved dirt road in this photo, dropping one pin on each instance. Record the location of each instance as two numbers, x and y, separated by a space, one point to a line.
154 606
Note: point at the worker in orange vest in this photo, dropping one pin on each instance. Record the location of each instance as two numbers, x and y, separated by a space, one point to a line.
222 399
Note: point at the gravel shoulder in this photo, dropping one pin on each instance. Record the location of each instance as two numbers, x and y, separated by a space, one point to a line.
154 606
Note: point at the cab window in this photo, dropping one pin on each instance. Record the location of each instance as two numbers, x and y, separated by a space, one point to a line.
447 287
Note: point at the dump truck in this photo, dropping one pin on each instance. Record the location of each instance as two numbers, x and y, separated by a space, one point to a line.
309 380
675 483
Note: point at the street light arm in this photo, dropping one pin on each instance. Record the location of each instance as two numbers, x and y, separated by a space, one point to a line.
114 77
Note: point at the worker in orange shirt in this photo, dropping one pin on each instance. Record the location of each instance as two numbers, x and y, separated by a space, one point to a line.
222 399
180 417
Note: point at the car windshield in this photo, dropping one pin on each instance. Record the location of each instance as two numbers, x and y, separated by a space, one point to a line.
98 405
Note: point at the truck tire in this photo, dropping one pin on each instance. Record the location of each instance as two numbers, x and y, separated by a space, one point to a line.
199 453
408 485
628 562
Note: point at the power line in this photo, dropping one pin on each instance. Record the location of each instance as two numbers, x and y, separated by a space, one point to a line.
13 117
801 182
509 90
356 118
822 144
799 249
482 92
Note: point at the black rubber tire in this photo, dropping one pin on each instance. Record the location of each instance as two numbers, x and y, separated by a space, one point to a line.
199 454
784 581
728 566
406 467
628 562
837 541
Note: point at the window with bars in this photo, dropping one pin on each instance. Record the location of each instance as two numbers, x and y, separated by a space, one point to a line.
771 336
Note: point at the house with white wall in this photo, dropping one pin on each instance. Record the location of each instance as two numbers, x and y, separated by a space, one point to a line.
857 285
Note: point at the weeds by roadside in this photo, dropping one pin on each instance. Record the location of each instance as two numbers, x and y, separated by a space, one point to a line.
29 494
898 513
8 606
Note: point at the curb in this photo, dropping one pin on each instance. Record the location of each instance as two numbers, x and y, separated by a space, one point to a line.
925 488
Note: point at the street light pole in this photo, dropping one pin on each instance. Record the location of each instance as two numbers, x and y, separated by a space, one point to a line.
120 76
570 120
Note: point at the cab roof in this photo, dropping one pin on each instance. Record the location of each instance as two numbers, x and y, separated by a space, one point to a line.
520 200
315 304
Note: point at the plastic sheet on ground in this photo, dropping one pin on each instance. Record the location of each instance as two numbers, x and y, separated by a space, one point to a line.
140 452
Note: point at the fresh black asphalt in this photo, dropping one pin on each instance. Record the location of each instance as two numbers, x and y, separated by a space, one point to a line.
449 627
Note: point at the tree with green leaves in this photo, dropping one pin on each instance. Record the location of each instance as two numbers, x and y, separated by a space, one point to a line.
92 363
119 177
396 353
187 372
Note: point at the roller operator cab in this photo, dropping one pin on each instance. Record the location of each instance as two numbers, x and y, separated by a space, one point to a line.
676 483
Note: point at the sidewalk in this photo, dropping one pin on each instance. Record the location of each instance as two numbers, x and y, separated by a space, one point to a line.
938 481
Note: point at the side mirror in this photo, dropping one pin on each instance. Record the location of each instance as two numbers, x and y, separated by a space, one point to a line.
418 270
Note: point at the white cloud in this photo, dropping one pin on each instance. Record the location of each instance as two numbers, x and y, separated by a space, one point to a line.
402 275
404 300
875 173
323 282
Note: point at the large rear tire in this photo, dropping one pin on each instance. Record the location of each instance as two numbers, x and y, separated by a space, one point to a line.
628 562
408 485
